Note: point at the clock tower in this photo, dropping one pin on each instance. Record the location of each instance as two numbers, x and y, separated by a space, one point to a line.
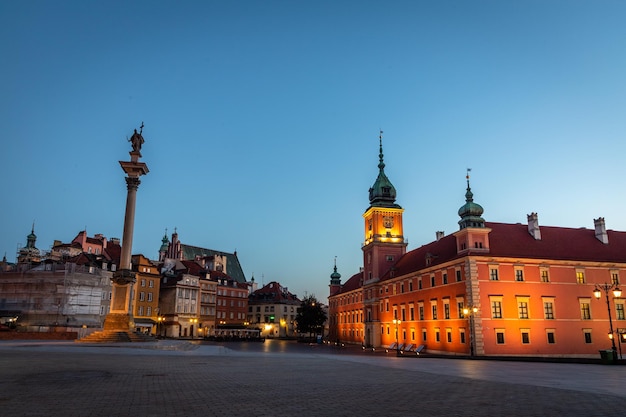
384 241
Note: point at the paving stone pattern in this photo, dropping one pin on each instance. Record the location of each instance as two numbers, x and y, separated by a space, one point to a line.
112 382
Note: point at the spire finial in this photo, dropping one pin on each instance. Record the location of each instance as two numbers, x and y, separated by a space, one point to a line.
469 196
381 164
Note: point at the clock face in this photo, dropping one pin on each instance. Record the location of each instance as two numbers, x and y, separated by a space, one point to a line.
388 222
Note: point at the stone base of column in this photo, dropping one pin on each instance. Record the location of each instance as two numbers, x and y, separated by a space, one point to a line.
117 329
118 321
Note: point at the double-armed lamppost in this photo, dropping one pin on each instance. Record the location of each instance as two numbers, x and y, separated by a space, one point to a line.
471 311
397 323
597 292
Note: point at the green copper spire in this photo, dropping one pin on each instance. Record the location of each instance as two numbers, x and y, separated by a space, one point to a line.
335 277
470 212
165 243
382 193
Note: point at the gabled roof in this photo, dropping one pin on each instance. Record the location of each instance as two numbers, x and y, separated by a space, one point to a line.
233 267
193 268
113 252
275 293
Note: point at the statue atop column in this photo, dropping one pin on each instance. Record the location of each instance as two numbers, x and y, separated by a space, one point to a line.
137 140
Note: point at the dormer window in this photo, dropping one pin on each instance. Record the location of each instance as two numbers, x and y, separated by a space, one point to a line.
386 190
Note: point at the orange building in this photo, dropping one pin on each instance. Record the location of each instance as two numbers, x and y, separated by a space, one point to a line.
489 289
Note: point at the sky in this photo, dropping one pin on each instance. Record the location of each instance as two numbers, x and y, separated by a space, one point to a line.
262 121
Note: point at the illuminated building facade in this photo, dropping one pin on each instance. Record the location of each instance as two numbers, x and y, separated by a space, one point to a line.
273 310
145 294
489 289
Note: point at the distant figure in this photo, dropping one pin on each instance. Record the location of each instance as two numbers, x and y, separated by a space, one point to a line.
137 140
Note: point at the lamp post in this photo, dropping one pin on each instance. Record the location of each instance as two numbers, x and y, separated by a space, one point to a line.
193 322
397 323
471 311
597 292
159 325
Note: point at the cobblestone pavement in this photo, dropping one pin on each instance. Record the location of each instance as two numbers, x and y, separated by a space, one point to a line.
173 378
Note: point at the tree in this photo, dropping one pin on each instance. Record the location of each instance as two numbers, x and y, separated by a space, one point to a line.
310 317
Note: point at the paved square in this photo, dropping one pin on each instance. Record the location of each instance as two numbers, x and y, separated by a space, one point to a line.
179 379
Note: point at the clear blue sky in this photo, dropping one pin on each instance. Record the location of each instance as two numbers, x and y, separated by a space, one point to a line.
262 119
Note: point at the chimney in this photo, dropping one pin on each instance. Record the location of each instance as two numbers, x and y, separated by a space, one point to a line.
533 226
439 234
601 234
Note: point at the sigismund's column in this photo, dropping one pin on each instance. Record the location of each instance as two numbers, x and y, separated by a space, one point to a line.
120 317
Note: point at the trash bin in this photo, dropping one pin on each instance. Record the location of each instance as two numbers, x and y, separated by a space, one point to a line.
606 356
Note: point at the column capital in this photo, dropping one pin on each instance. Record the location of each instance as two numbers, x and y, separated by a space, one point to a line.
132 183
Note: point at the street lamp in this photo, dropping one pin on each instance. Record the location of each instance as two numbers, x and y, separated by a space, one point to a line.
159 325
471 311
397 323
597 292
192 321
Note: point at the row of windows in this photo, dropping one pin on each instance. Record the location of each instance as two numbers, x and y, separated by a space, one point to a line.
207 298
396 288
186 308
402 312
545 276
231 315
188 293
140 311
142 296
150 282
523 311
224 303
272 319
232 293
207 311
524 335
270 309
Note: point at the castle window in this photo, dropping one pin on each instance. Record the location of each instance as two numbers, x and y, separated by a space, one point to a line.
585 309
522 308
493 274
614 277
496 307
525 336
548 309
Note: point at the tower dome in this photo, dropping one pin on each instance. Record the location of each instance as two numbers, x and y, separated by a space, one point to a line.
335 277
382 193
470 212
